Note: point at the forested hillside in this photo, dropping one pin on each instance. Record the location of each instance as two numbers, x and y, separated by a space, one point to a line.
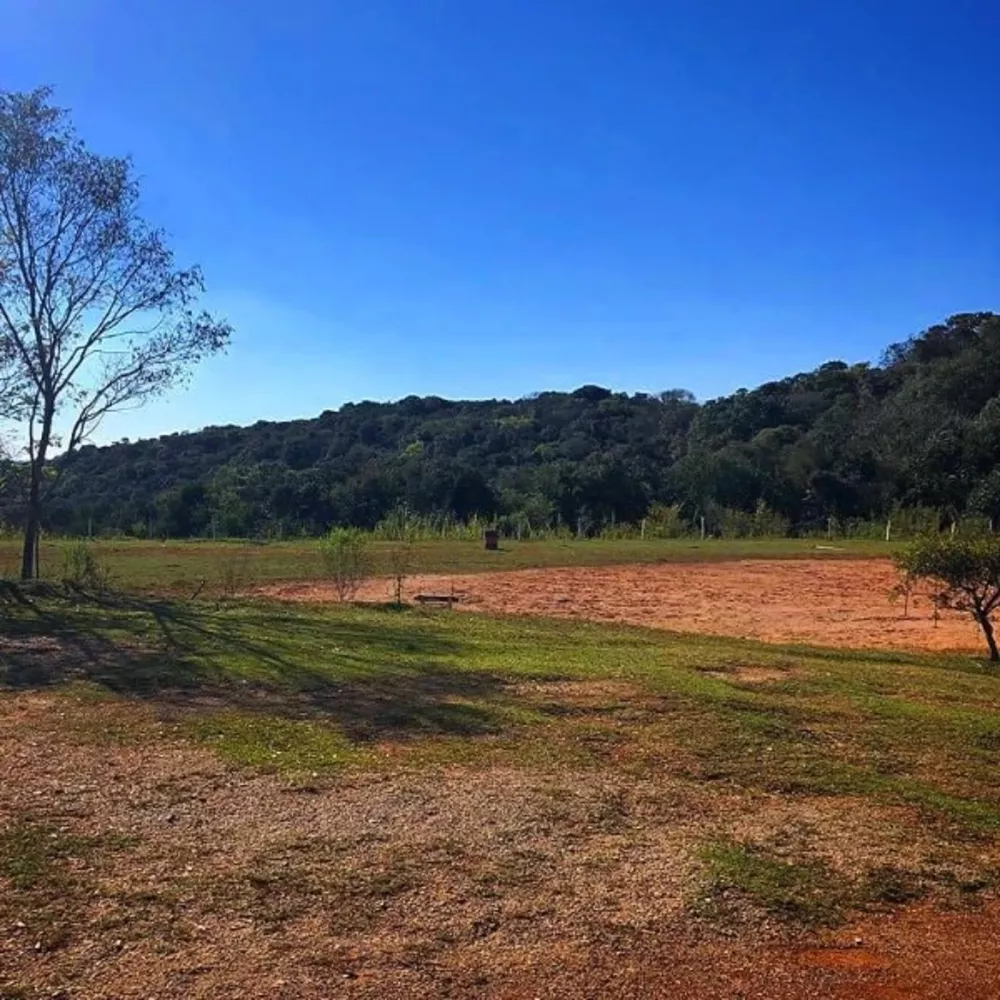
843 441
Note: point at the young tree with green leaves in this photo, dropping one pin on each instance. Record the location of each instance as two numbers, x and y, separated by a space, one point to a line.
965 572
347 561
95 317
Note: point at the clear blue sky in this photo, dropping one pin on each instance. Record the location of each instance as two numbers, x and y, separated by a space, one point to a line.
484 198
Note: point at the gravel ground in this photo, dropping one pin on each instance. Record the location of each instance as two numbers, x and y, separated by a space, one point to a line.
186 878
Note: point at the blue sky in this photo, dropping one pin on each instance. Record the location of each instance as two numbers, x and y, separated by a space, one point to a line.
475 198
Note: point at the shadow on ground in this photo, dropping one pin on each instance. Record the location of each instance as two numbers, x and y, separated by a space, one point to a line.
372 678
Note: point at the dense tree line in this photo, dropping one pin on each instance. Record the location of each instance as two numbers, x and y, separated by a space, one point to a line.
842 442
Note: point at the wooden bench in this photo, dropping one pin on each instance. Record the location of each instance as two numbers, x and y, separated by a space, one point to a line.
437 600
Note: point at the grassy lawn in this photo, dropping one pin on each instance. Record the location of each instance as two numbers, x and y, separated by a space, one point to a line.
354 769
180 567
303 689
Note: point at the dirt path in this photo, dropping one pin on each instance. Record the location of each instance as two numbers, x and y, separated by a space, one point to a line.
834 603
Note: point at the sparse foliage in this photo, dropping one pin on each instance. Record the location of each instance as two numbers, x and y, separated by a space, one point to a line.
401 558
903 591
84 568
94 315
401 533
347 560
235 574
965 572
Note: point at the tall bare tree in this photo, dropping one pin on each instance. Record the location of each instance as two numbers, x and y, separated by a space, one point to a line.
95 317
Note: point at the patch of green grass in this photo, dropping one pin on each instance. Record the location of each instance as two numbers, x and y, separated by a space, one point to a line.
807 748
806 892
975 815
31 855
274 743
809 891
303 688
36 855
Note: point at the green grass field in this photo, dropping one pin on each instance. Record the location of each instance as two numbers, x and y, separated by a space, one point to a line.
180 567
305 689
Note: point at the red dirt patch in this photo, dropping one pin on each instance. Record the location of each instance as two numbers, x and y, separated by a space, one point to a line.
917 954
835 603
842 958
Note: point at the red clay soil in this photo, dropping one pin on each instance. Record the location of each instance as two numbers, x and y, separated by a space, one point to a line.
833 603
919 953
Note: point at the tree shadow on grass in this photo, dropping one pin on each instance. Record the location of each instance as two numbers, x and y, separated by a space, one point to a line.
374 679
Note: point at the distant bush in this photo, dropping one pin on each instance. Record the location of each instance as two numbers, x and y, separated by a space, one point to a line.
768 523
972 525
666 521
735 523
622 531
518 524
347 560
762 522
914 522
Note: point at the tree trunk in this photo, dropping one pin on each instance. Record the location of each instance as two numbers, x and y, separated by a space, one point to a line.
32 528
29 562
987 626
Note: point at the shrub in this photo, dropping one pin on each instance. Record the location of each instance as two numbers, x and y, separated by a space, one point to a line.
347 561
666 521
84 568
768 523
735 523
621 530
235 574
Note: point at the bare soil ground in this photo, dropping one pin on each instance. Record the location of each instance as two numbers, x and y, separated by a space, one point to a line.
844 603
150 869
262 800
